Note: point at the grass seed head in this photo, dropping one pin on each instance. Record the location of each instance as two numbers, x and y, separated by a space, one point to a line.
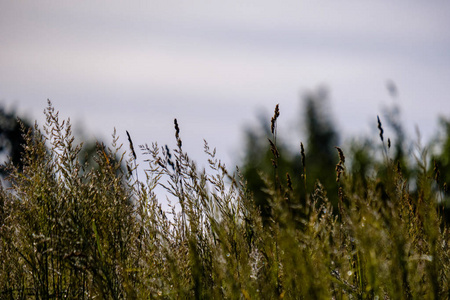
437 173
177 133
289 181
274 149
340 165
341 155
274 119
380 128
302 152
131 145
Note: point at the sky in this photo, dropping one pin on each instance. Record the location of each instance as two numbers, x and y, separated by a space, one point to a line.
217 65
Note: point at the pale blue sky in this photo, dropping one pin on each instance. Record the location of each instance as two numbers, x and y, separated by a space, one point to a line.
136 65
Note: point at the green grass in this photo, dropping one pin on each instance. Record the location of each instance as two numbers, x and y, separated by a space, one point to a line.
72 231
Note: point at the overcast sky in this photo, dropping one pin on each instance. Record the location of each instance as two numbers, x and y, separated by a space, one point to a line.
137 65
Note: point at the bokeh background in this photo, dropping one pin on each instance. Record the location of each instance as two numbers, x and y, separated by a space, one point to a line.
218 65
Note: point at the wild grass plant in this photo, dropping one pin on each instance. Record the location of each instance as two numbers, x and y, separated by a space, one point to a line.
69 230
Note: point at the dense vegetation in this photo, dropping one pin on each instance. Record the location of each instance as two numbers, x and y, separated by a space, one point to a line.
70 230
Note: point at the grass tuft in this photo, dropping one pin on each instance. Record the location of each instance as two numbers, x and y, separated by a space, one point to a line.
68 230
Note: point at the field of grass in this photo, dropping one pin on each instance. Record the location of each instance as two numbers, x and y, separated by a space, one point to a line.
70 231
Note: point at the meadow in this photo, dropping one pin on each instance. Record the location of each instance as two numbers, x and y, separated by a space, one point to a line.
72 231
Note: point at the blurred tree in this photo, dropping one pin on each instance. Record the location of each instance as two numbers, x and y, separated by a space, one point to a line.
322 138
441 160
362 164
398 145
321 157
258 167
11 139
441 167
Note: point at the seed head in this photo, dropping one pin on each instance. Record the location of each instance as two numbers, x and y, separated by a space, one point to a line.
340 166
302 152
341 155
177 133
380 128
289 181
274 149
131 145
274 119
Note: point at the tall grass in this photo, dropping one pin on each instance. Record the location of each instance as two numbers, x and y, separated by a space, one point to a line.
72 231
